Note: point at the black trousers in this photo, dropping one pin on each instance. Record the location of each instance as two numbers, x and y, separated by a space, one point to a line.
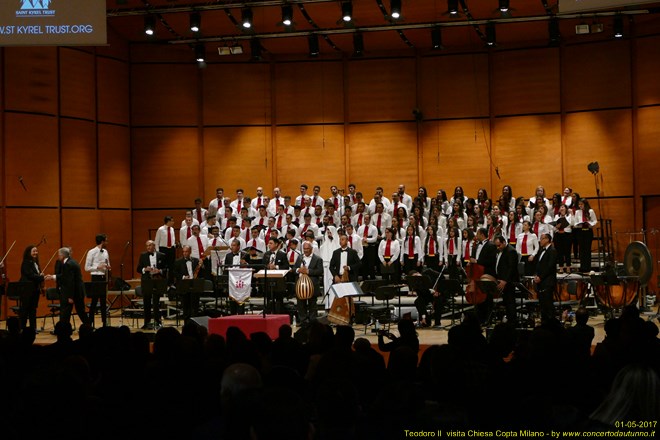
102 298
410 264
546 303
170 256
66 307
307 309
189 304
530 266
432 263
509 300
152 290
424 299
586 237
369 262
563 241
28 308
392 272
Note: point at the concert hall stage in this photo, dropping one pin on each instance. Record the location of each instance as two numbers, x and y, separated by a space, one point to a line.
248 324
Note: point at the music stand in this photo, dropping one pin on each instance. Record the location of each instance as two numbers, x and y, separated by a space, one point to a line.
94 290
273 278
449 287
370 286
188 287
18 291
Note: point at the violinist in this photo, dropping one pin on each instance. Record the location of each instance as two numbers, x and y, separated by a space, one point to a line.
31 272
98 264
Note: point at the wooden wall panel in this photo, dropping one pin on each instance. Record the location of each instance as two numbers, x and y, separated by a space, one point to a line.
648 150
591 70
605 137
309 93
381 90
527 152
117 47
455 153
31 153
237 157
454 86
647 66
164 94
621 212
165 167
114 164
78 163
383 155
113 91
237 94
79 229
31 79
310 154
77 84
116 224
526 81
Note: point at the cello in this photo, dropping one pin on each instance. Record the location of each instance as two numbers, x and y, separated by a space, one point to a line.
473 292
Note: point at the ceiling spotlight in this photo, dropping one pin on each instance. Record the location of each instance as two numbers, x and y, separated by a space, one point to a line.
490 34
553 31
395 9
149 25
195 21
504 5
618 26
436 38
287 15
358 44
313 41
200 53
452 7
255 48
246 18
347 11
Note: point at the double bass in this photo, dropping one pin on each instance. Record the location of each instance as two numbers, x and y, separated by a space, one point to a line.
473 292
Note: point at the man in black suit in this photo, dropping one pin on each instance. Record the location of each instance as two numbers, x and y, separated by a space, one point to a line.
153 267
506 267
236 258
484 253
546 276
184 269
344 259
312 266
275 259
70 283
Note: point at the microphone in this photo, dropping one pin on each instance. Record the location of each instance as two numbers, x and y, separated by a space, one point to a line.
128 243
20 179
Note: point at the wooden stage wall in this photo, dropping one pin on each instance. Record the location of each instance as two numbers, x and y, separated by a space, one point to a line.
539 115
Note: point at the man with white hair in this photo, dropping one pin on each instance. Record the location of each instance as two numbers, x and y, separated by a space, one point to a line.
70 283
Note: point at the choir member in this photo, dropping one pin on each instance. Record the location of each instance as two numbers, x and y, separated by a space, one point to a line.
585 220
562 238
527 245
411 251
388 253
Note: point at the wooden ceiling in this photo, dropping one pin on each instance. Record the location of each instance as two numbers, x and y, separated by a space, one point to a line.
526 24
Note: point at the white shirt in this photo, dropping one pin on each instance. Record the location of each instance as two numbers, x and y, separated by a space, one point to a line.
235 206
385 222
407 201
257 202
372 233
95 257
395 250
308 227
343 261
355 242
272 205
256 243
532 244
183 233
194 246
200 216
161 237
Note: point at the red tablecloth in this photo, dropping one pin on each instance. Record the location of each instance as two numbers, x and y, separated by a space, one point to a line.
249 324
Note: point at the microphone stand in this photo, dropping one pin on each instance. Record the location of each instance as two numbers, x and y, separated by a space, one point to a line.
121 284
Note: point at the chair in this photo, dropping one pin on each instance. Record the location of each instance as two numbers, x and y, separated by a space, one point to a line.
382 314
53 295
136 311
209 296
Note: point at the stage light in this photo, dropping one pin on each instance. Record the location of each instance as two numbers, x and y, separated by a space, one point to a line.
553 31
313 41
149 25
436 38
287 15
618 26
195 22
504 5
200 53
490 34
452 7
246 18
395 9
358 44
255 49
347 11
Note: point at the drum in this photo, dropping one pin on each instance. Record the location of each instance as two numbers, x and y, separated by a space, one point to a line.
571 288
304 287
618 296
531 286
488 284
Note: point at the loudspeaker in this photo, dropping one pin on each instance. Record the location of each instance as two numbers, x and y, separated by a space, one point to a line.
202 321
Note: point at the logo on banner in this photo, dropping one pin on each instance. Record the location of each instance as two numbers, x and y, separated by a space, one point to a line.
35 8
240 284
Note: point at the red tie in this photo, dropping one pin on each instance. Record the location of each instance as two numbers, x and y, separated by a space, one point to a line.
336 203
563 201
491 232
387 248
214 241
254 243
238 206
247 234
366 231
467 251
188 234
584 216
359 220
169 237
451 246
302 234
536 228
277 203
199 215
261 221
332 220
395 208
512 233
279 222
411 246
259 202
350 240
201 248
523 248
291 255
314 201
378 223
431 247
306 210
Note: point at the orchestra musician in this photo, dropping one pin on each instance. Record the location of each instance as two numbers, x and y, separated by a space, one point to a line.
166 244
184 269
506 267
546 277
98 264
312 266
70 283
152 265
344 259
275 259
31 272
236 258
